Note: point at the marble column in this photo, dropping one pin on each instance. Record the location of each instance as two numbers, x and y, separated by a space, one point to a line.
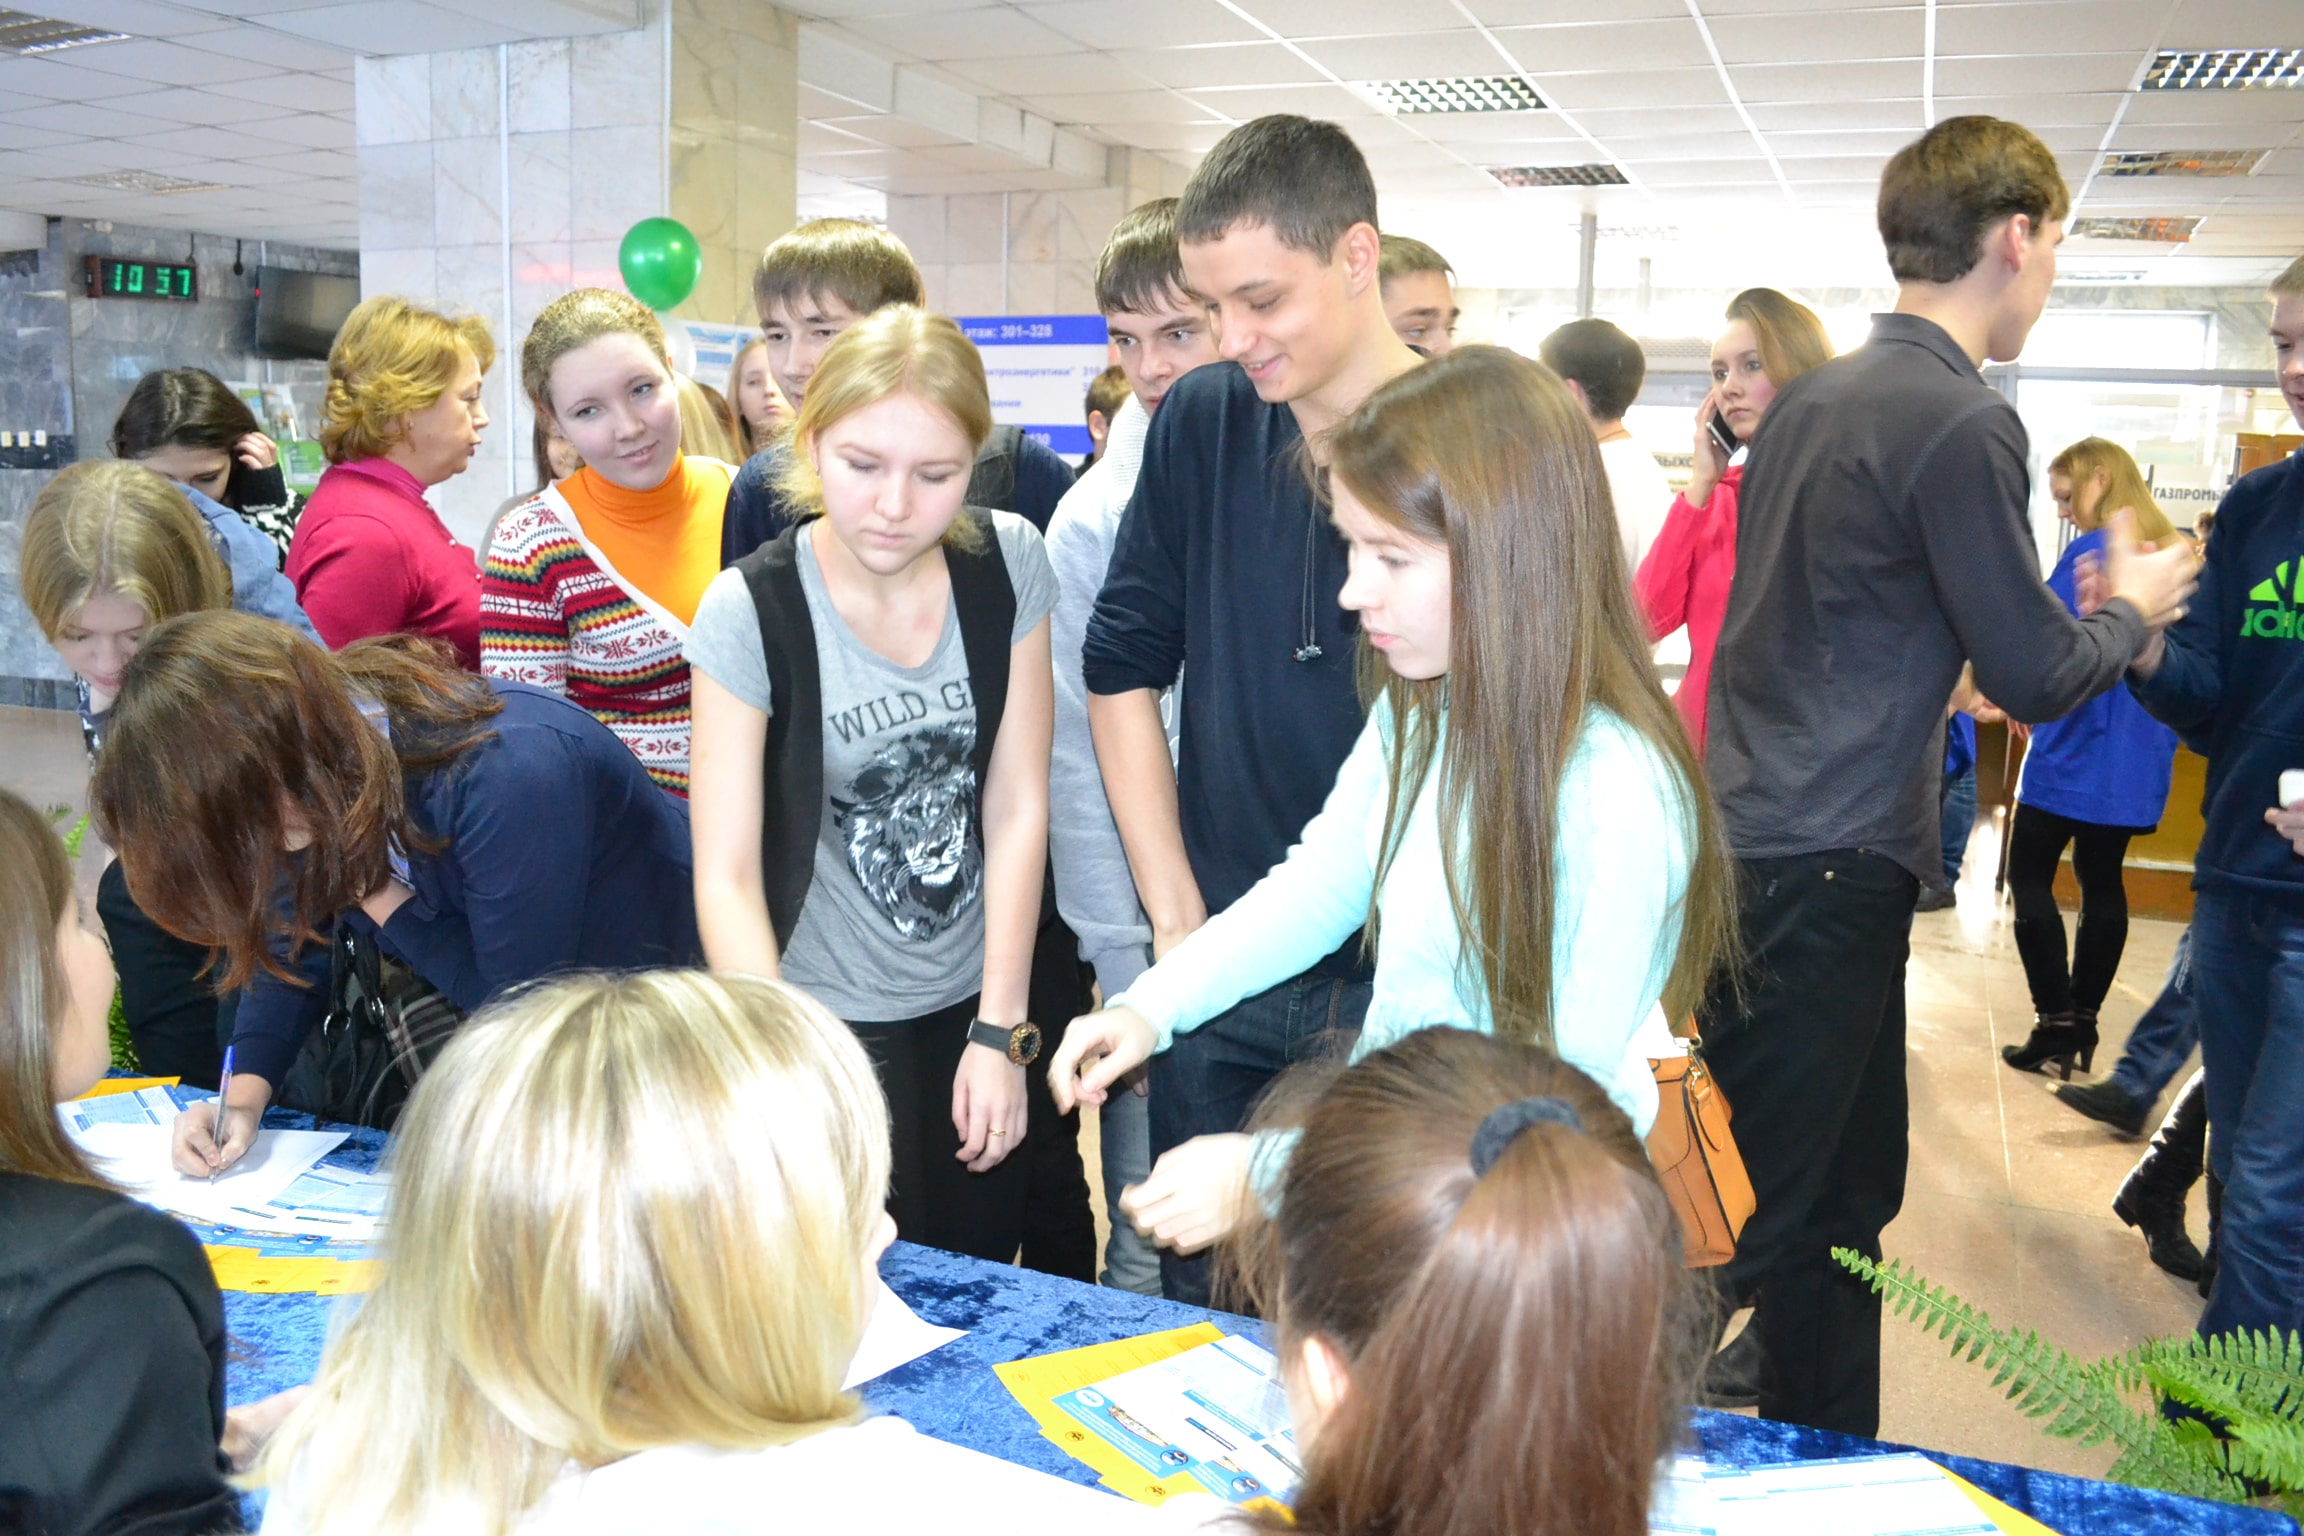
492 180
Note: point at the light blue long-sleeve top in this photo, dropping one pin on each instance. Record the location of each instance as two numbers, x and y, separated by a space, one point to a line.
1620 872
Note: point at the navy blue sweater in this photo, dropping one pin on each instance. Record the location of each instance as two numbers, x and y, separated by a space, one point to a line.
757 511
2234 673
561 855
1224 565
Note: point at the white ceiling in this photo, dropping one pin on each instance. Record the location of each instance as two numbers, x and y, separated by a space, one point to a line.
1752 131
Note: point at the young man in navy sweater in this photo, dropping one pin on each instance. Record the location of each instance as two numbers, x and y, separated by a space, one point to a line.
1226 568
2233 669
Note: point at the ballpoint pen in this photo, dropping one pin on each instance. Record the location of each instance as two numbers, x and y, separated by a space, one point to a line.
223 1089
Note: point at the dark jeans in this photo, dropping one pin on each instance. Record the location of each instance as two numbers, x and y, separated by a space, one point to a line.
2248 988
1956 804
1059 1226
2035 846
1811 1056
2164 1036
1207 1082
171 1009
935 1199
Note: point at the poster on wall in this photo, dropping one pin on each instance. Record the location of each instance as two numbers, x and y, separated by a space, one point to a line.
716 348
2184 491
1040 367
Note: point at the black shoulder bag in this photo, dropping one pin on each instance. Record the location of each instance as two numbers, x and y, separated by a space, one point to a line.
384 1026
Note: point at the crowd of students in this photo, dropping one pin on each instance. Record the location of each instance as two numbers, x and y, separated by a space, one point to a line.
850 745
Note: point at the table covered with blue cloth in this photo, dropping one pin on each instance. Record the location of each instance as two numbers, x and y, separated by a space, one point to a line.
1012 1314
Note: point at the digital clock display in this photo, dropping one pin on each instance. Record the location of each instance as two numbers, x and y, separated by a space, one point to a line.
109 277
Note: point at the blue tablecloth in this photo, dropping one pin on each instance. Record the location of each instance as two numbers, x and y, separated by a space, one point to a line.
1011 1314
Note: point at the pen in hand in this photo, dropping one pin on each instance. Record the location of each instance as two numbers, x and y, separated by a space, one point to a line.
223 1090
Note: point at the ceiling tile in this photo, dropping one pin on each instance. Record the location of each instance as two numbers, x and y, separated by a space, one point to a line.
309 130
394 27
1634 88
210 143
163 62
1899 111
884 131
1853 34
1094 107
268 47
1581 49
1497 128
1613 123
25 136
57 80
298 93
2053 111
142 18
988 32
90 122
2049 26
1231 64
1463 51
194 106
1122 23
1165 136
2059 74
2234 24
1332 102
1031 73
1867 82
2282 108
1520 13
1299 19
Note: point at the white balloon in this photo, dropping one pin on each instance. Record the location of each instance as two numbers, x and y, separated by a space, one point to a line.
679 346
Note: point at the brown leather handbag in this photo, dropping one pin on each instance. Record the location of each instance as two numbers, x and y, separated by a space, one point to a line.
1696 1158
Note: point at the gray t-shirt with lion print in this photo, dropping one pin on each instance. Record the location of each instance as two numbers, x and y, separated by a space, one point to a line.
893 926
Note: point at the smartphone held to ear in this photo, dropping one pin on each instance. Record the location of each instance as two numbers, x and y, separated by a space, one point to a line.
1723 439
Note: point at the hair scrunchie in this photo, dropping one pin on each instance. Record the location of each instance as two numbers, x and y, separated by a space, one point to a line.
1505 1123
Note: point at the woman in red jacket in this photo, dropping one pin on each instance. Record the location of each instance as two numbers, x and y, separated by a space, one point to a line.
370 555
1770 341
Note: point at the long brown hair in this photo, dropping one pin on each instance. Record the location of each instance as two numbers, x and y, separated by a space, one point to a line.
1485 453
35 893
224 722
2124 487
1521 1343
1790 337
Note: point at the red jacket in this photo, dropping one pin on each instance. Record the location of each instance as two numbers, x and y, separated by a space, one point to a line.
371 557
1685 580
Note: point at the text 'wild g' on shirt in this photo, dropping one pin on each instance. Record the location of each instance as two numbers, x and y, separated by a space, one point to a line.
893 926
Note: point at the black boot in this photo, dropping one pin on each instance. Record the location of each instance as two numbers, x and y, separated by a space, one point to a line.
2106 1101
2152 1198
2057 1039
1732 1376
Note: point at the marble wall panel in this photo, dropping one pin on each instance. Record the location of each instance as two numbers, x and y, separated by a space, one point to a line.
392 99
974 227
466 100
616 80
973 288
541 187
1032 226
396 197
919 223
539 90
411 274
468 190
469 280
616 179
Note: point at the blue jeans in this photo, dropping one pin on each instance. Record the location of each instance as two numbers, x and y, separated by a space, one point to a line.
2164 1036
1957 805
2248 986
1124 1130
1207 1082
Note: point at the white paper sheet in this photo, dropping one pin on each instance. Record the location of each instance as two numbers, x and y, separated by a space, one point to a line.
1861 1496
130 1144
896 1336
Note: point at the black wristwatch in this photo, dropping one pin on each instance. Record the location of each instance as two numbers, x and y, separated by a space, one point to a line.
1020 1043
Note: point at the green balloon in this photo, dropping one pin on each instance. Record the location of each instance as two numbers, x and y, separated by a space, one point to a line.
660 261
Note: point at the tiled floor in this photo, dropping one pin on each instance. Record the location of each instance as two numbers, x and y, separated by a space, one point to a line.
2009 1200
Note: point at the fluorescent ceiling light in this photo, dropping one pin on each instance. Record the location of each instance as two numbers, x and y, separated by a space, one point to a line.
2165 231
1466 93
1558 175
147 181
2226 69
22 34
2183 162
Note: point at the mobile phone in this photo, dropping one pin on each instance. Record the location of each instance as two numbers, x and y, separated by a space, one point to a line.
2291 787
1722 438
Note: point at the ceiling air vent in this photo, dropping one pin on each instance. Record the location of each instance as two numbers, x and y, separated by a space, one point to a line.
2183 162
21 34
1558 175
147 181
1465 93
2226 69
2164 231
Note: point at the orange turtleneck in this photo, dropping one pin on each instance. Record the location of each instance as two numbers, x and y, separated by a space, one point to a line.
664 541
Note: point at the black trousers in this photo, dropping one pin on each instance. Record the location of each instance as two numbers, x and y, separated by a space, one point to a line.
172 1010
1811 1056
935 1200
2035 846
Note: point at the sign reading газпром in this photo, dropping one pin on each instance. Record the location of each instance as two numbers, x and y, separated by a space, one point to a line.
1040 367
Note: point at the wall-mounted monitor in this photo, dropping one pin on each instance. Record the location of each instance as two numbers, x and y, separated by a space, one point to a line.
299 313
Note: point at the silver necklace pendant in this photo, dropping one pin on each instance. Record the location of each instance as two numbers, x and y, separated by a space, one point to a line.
1307 652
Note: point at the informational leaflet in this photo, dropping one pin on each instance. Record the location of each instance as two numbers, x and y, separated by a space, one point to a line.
1214 1417
1900 1495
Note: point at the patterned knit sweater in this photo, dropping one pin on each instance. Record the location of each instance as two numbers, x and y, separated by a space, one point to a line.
554 612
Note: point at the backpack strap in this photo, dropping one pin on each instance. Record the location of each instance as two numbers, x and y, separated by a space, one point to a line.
992 482
985 599
792 791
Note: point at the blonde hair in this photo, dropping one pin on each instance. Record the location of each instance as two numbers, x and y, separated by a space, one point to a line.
2123 487
893 351
110 526
389 361
576 320
2290 282
35 893
704 422
749 439
627 1212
